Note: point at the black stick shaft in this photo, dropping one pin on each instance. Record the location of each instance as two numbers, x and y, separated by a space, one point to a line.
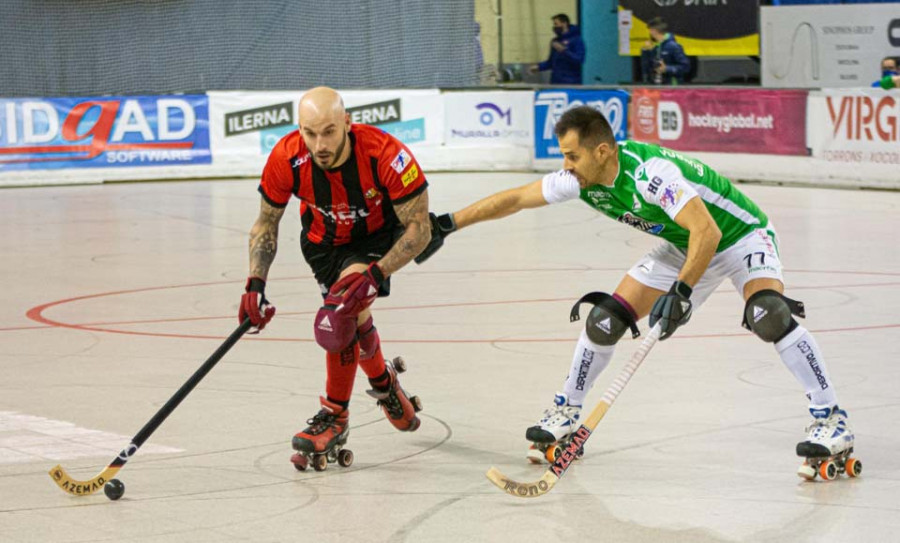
182 393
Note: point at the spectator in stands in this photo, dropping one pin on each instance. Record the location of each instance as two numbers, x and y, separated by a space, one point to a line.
889 82
663 61
888 71
566 53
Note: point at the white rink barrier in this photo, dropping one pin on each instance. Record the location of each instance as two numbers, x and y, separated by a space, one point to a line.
852 133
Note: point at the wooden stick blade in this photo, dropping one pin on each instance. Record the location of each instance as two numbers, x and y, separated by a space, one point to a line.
522 490
81 488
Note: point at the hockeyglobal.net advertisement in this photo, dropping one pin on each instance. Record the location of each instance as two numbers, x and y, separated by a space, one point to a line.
714 120
112 131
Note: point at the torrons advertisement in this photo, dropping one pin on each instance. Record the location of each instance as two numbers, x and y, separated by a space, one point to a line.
855 126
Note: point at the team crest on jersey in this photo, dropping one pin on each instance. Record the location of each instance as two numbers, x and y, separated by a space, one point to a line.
670 197
371 193
642 225
401 161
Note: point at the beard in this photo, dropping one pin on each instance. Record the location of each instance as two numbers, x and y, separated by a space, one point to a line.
327 161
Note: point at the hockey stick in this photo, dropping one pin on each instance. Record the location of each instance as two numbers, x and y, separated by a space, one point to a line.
555 472
84 488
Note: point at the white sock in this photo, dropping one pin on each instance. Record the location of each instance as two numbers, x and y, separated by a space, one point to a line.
588 362
801 354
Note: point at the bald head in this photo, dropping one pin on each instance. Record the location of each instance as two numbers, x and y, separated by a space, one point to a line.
321 103
324 125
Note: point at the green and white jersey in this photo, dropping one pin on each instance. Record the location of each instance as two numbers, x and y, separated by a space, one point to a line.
653 185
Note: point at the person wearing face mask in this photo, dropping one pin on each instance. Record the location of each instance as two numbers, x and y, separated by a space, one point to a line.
663 61
709 232
889 74
567 53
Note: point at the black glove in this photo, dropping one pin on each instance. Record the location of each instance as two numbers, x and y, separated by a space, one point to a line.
441 227
672 309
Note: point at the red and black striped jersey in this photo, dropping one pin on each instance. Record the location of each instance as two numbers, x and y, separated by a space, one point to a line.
349 202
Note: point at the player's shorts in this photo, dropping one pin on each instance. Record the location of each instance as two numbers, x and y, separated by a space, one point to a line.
327 262
755 256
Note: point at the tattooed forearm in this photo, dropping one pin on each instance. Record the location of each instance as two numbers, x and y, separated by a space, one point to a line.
414 216
264 240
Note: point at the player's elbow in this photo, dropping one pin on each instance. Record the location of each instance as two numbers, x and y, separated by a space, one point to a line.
712 233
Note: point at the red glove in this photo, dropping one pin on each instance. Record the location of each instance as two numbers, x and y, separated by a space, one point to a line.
254 305
361 290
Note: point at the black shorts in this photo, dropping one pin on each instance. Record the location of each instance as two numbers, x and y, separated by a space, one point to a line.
327 262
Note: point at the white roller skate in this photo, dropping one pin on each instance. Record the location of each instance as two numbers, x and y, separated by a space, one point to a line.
828 446
552 433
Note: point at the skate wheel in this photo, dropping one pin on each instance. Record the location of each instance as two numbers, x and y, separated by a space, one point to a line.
853 467
320 462
807 472
416 403
828 470
345 458
552 453
399 364
300 462
414 425
535 455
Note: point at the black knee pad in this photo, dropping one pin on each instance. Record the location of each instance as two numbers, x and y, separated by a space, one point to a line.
608 319
770 315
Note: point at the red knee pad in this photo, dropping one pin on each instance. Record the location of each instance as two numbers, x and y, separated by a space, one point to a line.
334 331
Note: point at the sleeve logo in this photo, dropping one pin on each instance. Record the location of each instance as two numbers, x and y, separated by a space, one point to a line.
670 197
410 176
401 161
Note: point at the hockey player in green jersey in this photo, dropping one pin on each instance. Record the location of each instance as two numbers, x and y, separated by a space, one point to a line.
710 232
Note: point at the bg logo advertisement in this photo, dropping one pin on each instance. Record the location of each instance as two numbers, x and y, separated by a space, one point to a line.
104 132
550 105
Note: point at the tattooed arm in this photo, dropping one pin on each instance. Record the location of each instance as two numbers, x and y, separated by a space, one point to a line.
413 213
264 239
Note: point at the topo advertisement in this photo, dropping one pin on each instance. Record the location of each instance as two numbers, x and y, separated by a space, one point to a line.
549 105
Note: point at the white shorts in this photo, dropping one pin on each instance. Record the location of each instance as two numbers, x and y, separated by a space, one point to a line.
755 256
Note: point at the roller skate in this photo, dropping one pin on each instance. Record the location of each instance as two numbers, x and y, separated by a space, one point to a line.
828 446
322 443
399 408
553 433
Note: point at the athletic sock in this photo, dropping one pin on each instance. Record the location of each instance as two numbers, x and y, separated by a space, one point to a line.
371 360
588 362
802 356
341 370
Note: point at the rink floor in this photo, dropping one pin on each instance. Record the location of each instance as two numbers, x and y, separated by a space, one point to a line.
113 295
